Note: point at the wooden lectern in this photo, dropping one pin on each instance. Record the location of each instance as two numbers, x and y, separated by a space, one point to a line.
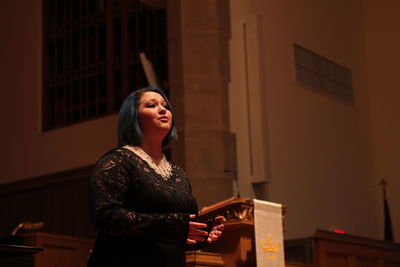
236 247
237 242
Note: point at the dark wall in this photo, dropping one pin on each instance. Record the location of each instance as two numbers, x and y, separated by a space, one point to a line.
59 200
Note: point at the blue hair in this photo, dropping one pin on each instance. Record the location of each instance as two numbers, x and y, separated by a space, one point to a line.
129 131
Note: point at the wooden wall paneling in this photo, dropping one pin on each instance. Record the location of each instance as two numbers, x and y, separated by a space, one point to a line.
55 211
59 200
367 262
70 210
81 207
5 216
391 263
50 206
67 210
337 260
24 206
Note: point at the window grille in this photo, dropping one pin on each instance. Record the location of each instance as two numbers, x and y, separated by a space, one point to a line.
319 73
90 57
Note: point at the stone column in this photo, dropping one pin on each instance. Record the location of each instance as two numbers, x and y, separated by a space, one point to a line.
198 34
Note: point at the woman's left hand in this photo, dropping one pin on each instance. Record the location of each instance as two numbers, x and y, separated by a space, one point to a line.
216 230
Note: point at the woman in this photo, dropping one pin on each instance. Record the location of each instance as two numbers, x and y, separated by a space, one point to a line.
141 204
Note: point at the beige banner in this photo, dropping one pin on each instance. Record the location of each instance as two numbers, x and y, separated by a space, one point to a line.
269 234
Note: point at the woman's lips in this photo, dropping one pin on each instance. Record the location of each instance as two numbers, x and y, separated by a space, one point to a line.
163 119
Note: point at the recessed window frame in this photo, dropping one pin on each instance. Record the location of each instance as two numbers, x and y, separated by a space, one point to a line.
90 56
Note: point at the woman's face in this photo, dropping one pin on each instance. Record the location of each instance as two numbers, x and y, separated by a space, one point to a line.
153 115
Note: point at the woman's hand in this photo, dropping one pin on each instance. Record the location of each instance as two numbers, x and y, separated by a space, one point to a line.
216 230
195 232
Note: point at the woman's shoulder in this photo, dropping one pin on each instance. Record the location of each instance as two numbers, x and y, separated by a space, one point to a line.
117 154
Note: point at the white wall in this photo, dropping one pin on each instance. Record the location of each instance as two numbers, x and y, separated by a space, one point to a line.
318 149
25 150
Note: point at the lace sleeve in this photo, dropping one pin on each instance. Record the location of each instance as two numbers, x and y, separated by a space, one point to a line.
108 188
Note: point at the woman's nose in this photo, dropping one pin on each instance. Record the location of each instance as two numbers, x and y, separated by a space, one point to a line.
162 110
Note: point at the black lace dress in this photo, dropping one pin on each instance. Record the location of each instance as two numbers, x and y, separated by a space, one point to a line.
141 218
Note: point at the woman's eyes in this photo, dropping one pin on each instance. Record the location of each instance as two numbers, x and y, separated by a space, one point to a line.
154 105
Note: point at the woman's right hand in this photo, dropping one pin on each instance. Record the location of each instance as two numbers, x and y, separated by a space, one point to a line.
195 231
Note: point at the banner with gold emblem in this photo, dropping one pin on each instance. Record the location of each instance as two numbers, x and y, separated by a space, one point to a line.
269 234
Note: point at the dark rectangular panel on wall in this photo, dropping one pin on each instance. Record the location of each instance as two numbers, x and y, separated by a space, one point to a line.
59 200
319 73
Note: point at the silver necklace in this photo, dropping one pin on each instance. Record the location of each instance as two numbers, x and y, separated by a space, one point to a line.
163 168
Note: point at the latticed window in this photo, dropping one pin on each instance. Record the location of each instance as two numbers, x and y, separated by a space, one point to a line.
91 60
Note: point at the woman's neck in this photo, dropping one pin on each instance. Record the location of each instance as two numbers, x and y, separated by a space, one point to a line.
153 149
